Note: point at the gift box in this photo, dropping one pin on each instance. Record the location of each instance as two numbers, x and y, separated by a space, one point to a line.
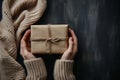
49 39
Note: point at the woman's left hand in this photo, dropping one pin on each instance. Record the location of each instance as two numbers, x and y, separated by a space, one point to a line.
25 48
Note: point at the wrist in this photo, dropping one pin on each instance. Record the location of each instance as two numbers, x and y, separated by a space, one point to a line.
29 57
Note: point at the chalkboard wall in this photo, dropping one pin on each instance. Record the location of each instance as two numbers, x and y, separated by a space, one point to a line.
97 26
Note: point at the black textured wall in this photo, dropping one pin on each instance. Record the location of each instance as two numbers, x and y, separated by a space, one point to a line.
97 26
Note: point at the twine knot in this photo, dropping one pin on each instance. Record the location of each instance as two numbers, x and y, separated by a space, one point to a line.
52 40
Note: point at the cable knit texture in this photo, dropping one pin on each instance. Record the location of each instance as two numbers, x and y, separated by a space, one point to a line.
9 68
36 69
63 70
18 15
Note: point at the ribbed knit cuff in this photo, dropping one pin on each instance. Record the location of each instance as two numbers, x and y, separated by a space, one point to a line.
64 70
36 68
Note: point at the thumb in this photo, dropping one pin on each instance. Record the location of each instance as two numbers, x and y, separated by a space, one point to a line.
70 45
68 53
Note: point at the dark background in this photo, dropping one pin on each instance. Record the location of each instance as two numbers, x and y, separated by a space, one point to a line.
97 26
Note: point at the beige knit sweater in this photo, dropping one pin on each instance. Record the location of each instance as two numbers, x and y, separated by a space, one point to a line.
18 15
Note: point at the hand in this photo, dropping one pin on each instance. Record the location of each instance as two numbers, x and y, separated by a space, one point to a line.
25 49
72 48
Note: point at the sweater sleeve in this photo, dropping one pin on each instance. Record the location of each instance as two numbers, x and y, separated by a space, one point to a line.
64 70
35 69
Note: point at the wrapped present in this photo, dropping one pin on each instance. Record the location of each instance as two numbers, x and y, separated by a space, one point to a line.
49 39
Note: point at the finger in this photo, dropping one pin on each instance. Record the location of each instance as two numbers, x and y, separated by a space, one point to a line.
75 41
68 53
22 47
26 35
23 43
70 45
73 35
24 39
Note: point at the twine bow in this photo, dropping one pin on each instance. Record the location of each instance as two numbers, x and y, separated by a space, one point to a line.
53 40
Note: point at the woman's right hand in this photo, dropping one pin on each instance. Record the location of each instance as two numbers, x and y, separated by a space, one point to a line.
72 48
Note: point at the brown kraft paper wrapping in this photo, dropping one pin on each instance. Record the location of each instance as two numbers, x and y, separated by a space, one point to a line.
49 39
